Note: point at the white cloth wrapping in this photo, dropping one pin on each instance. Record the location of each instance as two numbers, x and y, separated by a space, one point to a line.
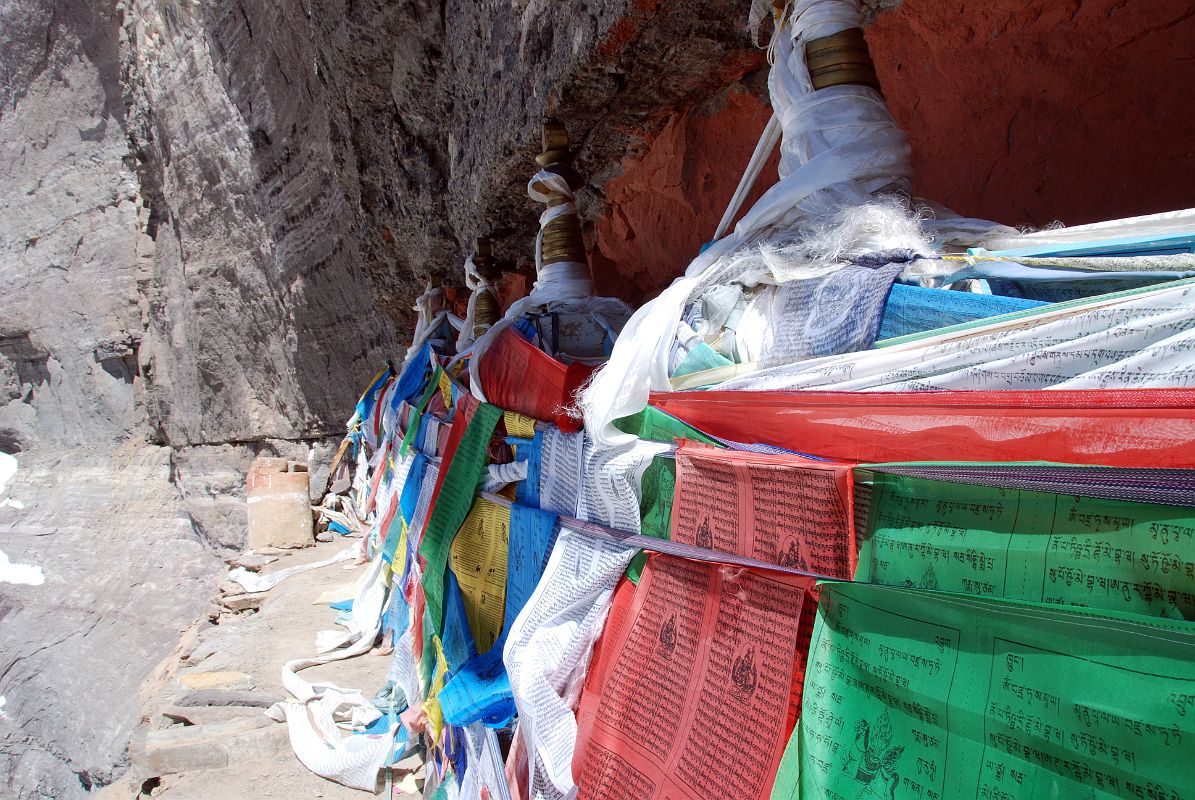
839 145
429 305
1168 223
563 286
312 719
499 475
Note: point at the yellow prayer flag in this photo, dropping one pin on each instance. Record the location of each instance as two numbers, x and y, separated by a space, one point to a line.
518 425
478 560
446 389
398 563
431 706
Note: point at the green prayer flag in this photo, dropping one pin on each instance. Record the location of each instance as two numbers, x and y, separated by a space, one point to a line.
655 508
456 496
635 568
933 696
788 774
653 425
1027 545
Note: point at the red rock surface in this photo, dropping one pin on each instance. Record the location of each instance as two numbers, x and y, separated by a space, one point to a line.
1019 112
1031 112
665 205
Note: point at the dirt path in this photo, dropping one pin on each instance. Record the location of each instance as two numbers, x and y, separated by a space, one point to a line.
231 752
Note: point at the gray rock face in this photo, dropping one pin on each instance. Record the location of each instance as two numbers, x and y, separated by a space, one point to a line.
71 249
125 572
258 316
214 218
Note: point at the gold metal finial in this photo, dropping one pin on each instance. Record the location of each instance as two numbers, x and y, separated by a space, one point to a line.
488 267
562 239
486 310
841 58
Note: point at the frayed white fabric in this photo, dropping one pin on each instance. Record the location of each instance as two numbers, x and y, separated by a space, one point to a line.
839 146
319 744
255 582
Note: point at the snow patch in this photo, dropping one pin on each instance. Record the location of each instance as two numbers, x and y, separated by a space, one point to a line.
28 574
8 468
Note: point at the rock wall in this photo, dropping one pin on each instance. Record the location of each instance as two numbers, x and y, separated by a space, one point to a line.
70 239
126 359
1033 112
216 217
664 205
259 319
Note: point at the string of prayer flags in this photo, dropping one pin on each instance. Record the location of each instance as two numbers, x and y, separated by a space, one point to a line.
1120 428
640 611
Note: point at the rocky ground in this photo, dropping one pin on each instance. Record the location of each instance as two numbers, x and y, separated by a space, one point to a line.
125 573
129 552
203 733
